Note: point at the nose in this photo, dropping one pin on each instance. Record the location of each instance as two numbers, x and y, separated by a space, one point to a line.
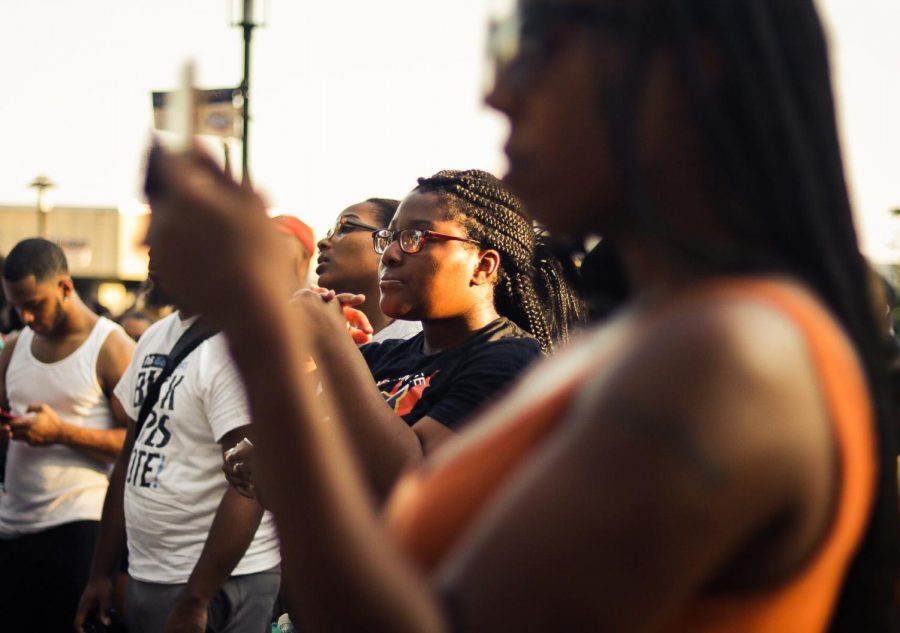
500 96
324 243
392 255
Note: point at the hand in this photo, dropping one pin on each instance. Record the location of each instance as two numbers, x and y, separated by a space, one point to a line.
356 321
199 213
238 468
97 597
41 429
187 616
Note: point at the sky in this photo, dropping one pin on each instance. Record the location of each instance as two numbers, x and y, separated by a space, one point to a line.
350 99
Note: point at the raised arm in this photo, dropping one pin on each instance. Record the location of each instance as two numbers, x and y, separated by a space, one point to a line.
384 443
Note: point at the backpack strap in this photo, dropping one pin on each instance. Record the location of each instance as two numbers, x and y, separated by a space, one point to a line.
186 343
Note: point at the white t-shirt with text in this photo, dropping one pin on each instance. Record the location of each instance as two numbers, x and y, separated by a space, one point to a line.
174 481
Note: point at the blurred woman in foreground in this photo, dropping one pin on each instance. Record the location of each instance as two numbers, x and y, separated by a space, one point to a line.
716 458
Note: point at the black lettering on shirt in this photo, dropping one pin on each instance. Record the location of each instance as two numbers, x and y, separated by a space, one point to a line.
168 399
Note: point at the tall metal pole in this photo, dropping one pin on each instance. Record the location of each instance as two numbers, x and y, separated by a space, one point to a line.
247 25
41 183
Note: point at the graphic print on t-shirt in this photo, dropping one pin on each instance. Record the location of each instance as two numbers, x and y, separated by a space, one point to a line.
403 393
147 459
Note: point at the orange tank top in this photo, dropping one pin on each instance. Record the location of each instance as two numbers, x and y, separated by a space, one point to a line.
432 507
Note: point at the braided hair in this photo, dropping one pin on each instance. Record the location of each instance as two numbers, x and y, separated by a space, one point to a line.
534 286
768 120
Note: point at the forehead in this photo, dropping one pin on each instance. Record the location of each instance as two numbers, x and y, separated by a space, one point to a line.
421 207
363 211
28 287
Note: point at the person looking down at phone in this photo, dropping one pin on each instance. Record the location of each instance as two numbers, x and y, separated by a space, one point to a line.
64 429
199 554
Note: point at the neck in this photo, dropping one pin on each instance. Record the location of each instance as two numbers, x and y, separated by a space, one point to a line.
444 334
77 319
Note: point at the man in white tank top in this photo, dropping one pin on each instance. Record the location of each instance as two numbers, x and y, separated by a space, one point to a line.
56 381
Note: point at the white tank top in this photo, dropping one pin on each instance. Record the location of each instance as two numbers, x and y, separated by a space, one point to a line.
52 485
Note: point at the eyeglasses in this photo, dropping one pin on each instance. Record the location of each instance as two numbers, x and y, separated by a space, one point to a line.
345 225
517 44
411 240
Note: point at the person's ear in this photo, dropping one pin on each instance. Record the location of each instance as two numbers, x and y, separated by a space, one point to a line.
486 270
66 285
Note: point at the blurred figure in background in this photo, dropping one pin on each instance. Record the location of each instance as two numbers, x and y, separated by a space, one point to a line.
300 242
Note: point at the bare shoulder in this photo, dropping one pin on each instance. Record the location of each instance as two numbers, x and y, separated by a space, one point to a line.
114 357
723 398
732 371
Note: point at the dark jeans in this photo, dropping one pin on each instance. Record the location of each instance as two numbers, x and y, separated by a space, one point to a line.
42 576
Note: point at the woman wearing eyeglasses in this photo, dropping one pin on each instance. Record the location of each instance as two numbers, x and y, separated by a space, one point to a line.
717 458
348 264
461 256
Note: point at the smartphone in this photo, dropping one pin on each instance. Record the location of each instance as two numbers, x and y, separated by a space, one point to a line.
181 123
181 113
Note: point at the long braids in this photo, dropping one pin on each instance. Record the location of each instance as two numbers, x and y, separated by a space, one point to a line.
533 289
771 128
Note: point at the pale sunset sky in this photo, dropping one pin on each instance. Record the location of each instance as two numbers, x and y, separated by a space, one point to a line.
350 98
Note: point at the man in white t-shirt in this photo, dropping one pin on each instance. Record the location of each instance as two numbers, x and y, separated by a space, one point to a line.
200 554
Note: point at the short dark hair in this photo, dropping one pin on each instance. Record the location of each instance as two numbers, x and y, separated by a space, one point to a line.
385 208
35 256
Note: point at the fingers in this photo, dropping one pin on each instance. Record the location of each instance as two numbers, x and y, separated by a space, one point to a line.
351 299
358 319
20 424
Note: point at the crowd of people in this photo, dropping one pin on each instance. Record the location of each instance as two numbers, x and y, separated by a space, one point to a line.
467 423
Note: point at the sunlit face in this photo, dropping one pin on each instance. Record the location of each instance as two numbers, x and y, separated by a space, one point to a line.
560 159
39 304
347 262
434 283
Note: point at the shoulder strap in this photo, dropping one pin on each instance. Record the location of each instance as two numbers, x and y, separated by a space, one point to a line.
186 343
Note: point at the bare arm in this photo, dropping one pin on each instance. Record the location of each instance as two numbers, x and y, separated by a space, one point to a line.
45 427
111 536
385 444
5 355
236 521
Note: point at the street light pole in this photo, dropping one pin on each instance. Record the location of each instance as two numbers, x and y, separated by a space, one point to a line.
42 183
247 24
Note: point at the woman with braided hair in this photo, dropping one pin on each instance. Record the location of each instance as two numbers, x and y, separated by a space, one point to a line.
533 285
718 458
461 256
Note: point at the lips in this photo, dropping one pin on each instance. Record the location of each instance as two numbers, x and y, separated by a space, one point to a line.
322 264
387 282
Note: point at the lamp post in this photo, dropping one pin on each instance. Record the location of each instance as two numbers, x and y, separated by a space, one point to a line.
249 20
42 184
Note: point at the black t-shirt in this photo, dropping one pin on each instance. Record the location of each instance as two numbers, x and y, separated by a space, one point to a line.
450 385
